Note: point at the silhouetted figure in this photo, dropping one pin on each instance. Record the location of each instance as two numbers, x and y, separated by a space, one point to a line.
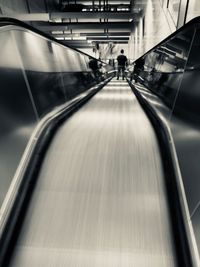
139 66
122 62
93 65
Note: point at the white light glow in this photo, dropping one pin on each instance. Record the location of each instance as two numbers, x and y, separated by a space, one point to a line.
79 38
57 32
116 36
110 40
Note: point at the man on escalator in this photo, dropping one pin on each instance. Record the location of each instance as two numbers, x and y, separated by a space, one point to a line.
94 66
122 63
138 67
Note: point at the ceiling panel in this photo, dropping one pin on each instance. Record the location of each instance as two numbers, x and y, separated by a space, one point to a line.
48 16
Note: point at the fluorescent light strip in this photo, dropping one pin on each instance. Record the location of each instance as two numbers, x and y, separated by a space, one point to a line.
79 38
112 36
109 40
57 32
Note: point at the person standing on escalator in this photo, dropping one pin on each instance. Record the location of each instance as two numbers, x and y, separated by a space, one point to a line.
122 63
138 68
94 66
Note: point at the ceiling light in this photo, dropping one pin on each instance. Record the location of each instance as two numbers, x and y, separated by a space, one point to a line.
56 20
57 32
79 38
107 37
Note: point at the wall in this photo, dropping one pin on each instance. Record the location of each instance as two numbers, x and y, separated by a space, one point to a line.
193 9
152 27
9 7
88 51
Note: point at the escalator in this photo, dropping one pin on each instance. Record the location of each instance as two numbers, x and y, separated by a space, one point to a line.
100 198
98 176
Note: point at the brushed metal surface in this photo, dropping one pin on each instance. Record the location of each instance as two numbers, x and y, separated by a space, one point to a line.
196 225
100 198
170 83
55 73
36 76
16 124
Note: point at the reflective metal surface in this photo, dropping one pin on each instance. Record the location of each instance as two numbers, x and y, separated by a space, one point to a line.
54 73
185 124
170 82
196 223
36 76
100 198
16 112
163 68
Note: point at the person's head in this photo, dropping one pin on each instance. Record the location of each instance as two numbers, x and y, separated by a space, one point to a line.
122 51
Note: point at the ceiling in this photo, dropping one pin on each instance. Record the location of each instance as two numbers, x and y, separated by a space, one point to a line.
80 23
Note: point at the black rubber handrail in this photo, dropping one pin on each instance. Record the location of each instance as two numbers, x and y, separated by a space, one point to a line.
5 21
14 218
185 251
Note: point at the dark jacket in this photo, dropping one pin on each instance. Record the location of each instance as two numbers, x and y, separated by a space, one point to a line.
122 60
93 64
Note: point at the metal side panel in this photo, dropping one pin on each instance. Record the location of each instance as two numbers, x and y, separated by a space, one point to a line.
100 199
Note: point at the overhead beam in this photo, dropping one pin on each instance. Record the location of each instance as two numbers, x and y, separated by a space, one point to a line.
85 44
97 33
103 34
89 31
108 38
100 41
81 26
95 38
91 35
126 2
93 15
73 15
28 17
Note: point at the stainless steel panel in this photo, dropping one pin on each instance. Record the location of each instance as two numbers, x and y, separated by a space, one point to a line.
196 225
33 81
76 74
185 125
100 199
42 70
55 73
171 85
187 142
163 68
171 72
70 60
16 112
